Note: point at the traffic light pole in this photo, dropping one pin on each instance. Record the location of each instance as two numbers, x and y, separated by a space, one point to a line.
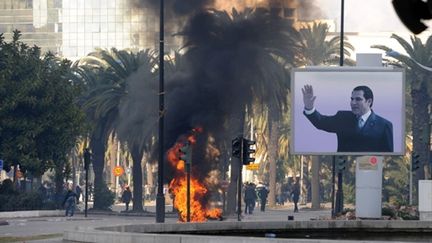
188 176
339 193
86 193
239 191
86 167
160 197
239 182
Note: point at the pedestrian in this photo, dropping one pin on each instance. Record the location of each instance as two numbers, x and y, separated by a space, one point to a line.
279 194
69 202
262 194
127 196
78 192
296 195
249 198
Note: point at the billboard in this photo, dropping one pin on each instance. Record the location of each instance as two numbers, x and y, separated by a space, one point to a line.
348 111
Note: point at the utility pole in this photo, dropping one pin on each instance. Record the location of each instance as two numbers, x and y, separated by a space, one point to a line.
87 160
160 198
237 152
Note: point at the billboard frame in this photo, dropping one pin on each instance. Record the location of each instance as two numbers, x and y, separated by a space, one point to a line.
293 96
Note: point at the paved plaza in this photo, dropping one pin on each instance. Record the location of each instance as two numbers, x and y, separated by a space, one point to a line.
53 227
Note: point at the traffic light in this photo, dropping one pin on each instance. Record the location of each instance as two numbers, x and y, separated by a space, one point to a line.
87 156
247 151
415 161
412 12
237 144
341 163
185 153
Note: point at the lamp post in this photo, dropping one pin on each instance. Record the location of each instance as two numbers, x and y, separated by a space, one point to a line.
336 207
160 198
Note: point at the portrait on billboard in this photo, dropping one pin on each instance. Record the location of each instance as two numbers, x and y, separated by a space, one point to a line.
348 111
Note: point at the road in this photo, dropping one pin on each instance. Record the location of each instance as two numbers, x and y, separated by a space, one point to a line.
20 228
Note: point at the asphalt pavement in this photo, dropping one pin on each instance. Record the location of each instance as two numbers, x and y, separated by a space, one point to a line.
52 228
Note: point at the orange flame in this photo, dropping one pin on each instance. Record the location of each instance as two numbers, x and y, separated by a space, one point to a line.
178 187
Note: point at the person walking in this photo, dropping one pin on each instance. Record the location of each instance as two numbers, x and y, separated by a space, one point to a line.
262 194
69 202
249 198
127 196
78 192
296 195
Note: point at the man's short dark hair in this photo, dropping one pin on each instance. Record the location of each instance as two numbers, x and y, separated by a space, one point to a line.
367 92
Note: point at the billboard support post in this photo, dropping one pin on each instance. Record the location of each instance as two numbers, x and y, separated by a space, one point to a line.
333 187
339 194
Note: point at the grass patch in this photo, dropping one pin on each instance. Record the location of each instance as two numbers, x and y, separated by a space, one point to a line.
4 239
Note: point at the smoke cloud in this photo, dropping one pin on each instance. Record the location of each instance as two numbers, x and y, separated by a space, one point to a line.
175 7
226 61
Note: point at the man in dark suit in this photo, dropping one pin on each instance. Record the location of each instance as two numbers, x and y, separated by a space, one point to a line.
358 130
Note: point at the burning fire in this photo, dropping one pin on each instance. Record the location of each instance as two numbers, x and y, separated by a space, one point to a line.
178 187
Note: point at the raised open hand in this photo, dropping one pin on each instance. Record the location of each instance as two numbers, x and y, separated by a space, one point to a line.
308 97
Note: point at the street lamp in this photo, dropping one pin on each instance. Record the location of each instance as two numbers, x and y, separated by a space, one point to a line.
160 198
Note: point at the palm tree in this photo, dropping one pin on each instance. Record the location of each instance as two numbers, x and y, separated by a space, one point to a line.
245 53
106 101
138 115
318 49
420 90
98 84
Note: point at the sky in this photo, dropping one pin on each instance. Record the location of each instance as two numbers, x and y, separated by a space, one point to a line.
363 15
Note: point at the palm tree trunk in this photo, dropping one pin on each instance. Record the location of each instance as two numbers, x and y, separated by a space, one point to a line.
421 130
272 150
315 182
137 179
98 145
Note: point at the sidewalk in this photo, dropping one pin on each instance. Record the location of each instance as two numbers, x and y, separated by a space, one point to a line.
55 225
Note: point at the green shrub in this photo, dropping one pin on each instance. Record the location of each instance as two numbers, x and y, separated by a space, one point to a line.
22 201
105 198
7 188
386 211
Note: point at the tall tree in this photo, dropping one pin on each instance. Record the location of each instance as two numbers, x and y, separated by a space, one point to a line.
100 101
39 121
116 102
138 115
418 78
319 48
245 53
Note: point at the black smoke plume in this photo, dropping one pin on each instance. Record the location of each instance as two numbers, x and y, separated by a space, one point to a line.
229 62
174 7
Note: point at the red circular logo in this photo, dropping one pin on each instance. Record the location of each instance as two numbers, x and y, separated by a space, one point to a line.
373 160
118 171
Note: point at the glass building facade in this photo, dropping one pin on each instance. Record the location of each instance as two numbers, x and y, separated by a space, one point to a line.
74 28
88 24
38 21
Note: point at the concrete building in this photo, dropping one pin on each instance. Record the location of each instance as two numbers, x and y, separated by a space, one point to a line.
38 21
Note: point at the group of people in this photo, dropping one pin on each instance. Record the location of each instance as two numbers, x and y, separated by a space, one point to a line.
72 198
253 192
